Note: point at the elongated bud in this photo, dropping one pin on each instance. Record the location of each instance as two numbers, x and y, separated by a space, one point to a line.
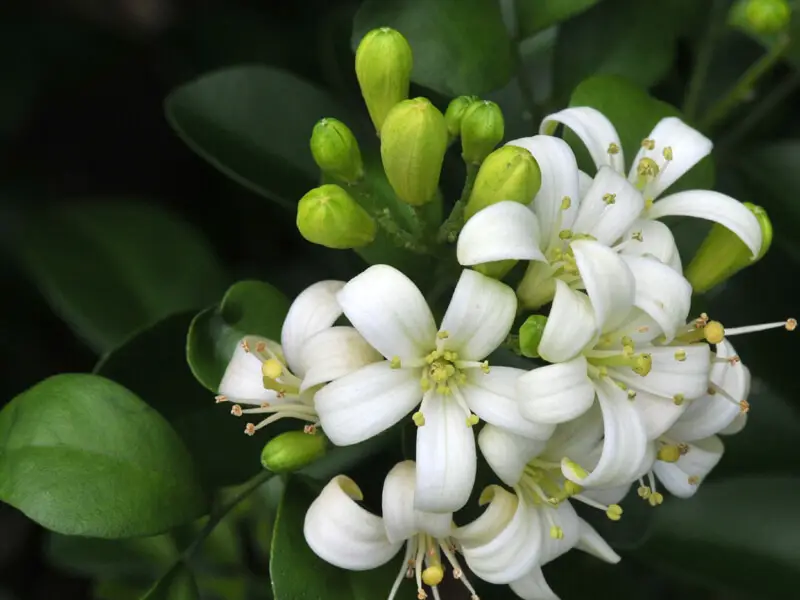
293 450
413 143
723 254
508 173
336 151
329 216
530 335
761 17
455 113
482 128
383 68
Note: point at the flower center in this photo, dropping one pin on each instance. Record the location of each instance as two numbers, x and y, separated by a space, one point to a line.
650 168
599 360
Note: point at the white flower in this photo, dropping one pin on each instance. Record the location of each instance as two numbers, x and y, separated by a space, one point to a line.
281 379
344 534
443 369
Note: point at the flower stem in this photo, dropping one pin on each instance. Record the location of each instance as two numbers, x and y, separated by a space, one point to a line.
703 61
448 232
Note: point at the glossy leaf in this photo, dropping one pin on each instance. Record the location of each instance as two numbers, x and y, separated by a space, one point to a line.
460 46
535 15
177 584
82 455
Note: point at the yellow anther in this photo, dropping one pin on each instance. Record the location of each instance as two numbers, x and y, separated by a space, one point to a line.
439 372
791 324
744 407
433 356
272 368
613 148
628 341
631 394
714 332
669 454
614 512
637 235
609 198
655 499
418 418
578 470
425 384
694 480
680 355
648 144
644 362
395 363
485 367
443 335
236 410
472 420
667 153
644 492
433 575
566 202
571 488
565 234
556 532
450 355
628 351
648 203
621 385
678 399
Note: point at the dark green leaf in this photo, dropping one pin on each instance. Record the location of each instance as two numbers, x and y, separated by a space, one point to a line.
248 308
460 46
177 584
82 455
535 15
110 268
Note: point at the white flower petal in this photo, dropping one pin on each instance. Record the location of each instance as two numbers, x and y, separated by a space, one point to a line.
624 445
390 312
556 393
652 238
661 292
243 381
502 508
593 543
399 516
315 309
446 457
595 131
533 586
344 534
658 413
506 230
736 426
713 206
669 376
559 179
601 218
570 327
364 403
639 326
507 453
479 317
610 495
562 516
578 439
584 183
333 353
493 397
702 457
608 280
688 147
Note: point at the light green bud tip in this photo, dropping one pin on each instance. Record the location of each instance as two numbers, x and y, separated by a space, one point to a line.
383 69
723 254
763 17
335 150
293 450
530 335
482 128
329 216
508 173
413 143
455 113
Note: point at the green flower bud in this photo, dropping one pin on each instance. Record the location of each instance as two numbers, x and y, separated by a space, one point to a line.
761 17
329 216
482 129
455 113
497 269
335 150
293 450
530 335
723 254
413 143
508 173
383 68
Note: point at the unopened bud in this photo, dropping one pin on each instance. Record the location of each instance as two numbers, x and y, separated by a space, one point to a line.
482 128
508 173
761 17
413 143
383 69
335 150
329 216
293 450
530 335
723 254
455 113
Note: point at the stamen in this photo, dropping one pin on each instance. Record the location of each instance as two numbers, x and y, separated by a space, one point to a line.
236 410
566 202
678 399
788 324
648 144
249 429
418 418
403 570
609 198
395 362
694 480
613 148
443 334
272 368
220 398
458 573
743 405
667 153
421 595
680 355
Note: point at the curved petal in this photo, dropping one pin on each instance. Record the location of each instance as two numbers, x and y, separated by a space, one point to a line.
493 397
688 147
578 439
243 381
556 393
342 533
658 413
713 206
315 309
564 517
364 403
593 543
652 238
390 312
502 508
668 376
502 231
610 495
446 458
736 426
604 218
399 517
507 453
682 478
594 130
570 326
559 180
639 326
333 353
584 183
479 317
661 292
533 586
608 280
624 445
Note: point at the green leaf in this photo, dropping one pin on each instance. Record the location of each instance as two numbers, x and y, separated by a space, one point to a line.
535 15
460 46
177 584
110 268
254 124
224 455
248 308
82 455
634 113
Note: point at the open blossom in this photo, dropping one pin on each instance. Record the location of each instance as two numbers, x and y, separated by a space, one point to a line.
280 379
442 368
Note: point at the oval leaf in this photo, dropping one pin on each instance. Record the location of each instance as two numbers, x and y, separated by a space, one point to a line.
177 584
82 455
